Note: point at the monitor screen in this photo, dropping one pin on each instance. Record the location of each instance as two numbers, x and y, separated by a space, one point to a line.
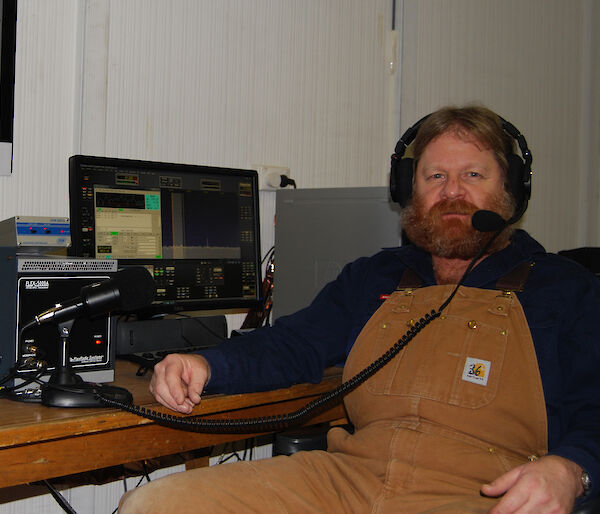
196 228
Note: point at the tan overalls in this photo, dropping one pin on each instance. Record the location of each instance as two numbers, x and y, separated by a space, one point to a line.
458 407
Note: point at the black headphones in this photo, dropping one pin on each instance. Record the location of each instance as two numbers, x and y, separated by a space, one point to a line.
518 176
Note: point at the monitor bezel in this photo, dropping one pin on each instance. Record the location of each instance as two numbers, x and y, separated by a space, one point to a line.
171 306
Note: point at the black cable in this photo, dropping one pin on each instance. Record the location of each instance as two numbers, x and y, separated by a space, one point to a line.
246 449
11 374
60 499
287 181
15 392
268 293
471 265
278 422
229 457
269 252
146 474
25 382
204 326
22 364
13 371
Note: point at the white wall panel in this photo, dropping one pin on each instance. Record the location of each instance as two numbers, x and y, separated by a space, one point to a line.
235 83
46 108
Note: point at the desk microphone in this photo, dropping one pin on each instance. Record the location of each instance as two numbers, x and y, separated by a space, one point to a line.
130 289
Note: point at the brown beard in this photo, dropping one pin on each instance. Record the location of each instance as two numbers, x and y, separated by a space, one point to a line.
454 238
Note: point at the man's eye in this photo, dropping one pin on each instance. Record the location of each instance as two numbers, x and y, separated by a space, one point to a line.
473 174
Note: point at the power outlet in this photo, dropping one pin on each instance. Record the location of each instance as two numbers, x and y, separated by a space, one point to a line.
269 177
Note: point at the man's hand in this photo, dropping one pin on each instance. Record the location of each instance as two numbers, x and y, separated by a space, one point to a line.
549 484
178 381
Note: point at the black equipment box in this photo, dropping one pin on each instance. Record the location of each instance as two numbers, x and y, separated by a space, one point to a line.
169 335
33 284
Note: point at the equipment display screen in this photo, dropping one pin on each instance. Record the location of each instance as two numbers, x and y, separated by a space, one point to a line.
196 228
128 224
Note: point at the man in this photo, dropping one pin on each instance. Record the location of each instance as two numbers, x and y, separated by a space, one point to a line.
493 405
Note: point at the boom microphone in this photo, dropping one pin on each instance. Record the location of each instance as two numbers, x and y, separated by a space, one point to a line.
488 221
130 289
483 221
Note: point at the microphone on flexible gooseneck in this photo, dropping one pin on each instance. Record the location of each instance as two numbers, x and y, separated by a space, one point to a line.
130 289
488 221
483 221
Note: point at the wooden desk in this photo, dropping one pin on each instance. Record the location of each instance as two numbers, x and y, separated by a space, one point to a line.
38 442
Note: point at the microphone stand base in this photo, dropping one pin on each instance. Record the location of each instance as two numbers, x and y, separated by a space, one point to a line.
65 388
69 390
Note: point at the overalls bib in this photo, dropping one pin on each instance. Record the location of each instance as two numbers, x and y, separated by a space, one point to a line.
459 406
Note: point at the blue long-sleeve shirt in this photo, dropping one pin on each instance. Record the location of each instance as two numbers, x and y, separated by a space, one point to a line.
561 301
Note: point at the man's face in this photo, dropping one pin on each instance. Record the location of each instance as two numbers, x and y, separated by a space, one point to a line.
455 177
455 168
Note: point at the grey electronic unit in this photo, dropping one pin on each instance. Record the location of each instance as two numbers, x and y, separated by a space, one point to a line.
35 233
32 283
318 231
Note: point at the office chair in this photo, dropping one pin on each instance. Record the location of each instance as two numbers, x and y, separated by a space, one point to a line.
591 507
588 256
301 439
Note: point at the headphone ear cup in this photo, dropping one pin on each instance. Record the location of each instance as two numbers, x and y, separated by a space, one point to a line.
401 179
517 181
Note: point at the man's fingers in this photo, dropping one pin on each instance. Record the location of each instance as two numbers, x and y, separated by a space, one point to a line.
178 381
195 375
174 384
502 484
549 484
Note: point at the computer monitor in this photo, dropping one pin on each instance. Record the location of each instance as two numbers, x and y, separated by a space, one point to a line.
196 228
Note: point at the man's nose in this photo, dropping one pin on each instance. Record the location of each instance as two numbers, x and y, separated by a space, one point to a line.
453 188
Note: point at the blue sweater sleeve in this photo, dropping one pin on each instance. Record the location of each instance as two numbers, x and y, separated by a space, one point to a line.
579 355
561 303
297 348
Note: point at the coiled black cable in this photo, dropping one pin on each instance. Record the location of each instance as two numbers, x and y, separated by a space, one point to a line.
281 421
